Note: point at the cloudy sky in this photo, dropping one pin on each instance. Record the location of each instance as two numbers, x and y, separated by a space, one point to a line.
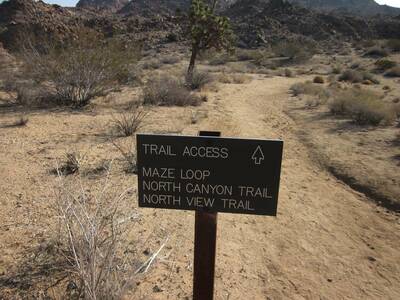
395 3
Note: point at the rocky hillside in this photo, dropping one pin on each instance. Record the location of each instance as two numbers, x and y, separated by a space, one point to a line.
358 7
112 5
256 22
277 19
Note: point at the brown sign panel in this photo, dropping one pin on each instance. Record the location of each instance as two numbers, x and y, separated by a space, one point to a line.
209 173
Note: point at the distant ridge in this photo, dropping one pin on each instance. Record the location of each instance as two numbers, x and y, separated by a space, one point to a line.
358 7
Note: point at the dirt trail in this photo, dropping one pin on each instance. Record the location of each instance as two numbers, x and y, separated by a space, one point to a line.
328 242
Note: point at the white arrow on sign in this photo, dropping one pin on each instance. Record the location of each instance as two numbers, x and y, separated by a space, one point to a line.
258 156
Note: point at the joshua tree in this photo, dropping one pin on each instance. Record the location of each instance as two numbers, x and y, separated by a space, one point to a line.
207 30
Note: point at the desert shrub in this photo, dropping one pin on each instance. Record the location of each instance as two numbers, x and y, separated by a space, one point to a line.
81 69
393 44
351 76
337 69
21 121
151 64
72 163
288 73
219 59
376 52
170 60
393 72
319 79
354 76
248 54
200 79
355 65
172 37
91 233
30 94
368 77
129 122
309 88
129 157
234 78
384 64
364 107
295 51
168 91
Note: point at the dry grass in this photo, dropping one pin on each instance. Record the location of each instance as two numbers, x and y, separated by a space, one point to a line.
376 52
354 76
92 229
363 107
309 88
394 72
384 64
72 164
168 91
200 79
129 156
129 122
234 78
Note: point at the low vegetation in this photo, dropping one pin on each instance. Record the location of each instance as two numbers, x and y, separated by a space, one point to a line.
363 107
91 231
200 79
319 79
168 91
394 72
393 45
295 51
354 76
76 72
72 164
384 64
376 52
234 78
129 122
309 88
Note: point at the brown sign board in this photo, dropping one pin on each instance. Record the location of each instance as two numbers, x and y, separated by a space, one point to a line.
210 174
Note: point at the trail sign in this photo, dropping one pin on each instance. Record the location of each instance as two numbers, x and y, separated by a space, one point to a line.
209 174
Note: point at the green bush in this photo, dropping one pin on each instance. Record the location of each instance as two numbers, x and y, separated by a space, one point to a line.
394 72
168 91
363 107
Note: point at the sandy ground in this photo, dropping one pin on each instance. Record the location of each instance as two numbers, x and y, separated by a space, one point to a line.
328 241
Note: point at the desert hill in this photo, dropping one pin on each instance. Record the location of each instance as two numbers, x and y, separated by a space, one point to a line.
358 7
153 21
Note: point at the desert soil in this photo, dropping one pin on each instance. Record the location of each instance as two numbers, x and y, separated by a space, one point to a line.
327 242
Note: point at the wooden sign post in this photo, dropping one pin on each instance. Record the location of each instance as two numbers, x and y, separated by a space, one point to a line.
205 243
208 174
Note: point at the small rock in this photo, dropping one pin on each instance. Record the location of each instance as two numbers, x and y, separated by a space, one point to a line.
157 289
